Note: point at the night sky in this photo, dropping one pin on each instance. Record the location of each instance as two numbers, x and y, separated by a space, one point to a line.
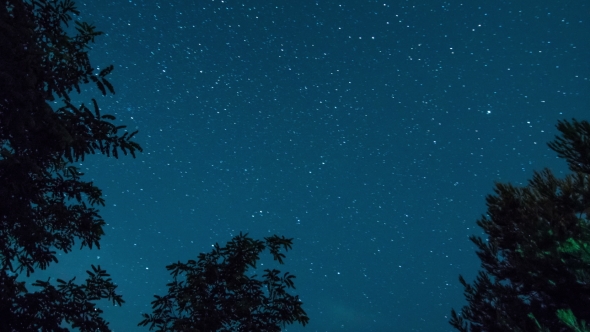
368 131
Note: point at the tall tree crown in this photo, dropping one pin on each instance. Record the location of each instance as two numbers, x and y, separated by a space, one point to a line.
45 205
535 262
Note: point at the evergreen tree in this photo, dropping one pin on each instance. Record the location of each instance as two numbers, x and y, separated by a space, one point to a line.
536 258
45 206
218 293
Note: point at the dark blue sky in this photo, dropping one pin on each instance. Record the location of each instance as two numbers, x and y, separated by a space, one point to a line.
368 131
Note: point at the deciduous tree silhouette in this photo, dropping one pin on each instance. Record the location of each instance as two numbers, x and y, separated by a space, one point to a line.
218 293
536 260
44 204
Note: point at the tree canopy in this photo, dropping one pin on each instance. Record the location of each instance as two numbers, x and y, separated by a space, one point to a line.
218 293
536 258
45 206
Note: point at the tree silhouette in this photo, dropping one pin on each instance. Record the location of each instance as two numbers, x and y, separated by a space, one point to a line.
45 206
217 293
536 260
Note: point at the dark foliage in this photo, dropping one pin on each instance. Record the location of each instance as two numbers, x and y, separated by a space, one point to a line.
574 146
536 260
51 307
215 293
45 206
